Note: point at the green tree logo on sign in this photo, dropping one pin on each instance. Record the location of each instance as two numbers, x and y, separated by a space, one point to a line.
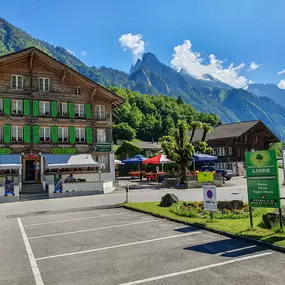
259 157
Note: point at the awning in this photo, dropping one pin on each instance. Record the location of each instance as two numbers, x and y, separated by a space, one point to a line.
10 161
69 161
203 157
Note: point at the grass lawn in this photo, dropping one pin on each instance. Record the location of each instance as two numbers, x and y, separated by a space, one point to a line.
234 226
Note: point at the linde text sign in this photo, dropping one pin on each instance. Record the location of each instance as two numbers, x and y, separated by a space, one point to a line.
102 147
67 150
262 179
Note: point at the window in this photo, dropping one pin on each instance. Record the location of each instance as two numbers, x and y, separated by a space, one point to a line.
213 152
79 110
80 135
44 108
17 107
245 138
257 139
218 151
103 160
100 111
17 82
101 135
1 134
77 90
17 134
62 109
44 134
1 106
223 151
230 151
62 134
43 84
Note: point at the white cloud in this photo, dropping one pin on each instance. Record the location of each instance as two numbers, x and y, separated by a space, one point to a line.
281 84
134 43
71 52
253 66
281 72
192 63
84 53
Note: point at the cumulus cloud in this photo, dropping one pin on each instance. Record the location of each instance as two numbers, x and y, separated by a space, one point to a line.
281 84
253 66
281 72
84 53
71 52
134 43
192 63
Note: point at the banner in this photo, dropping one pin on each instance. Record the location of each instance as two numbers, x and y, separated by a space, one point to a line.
262 179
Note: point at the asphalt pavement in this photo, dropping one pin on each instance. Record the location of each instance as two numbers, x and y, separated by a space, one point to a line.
118 246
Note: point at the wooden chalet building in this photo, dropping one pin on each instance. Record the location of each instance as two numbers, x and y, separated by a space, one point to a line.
229 142
47 107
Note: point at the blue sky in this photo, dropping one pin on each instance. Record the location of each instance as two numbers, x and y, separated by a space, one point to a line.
237 32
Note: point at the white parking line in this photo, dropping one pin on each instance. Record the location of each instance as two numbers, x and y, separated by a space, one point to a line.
34 265
78 219
95 229
117 246
196 269
237 249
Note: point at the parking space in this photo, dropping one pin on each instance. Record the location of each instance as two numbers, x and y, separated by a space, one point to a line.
118 246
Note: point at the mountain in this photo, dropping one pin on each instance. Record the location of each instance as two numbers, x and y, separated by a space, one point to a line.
268 90
150 76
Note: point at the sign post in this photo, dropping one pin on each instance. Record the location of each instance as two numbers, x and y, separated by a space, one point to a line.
262 180
210 199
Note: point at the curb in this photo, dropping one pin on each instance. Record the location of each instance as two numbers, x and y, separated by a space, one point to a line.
259 242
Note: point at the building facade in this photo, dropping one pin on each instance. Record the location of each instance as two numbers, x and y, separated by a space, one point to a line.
47 107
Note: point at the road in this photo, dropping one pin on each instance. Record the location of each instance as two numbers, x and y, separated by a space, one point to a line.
118 246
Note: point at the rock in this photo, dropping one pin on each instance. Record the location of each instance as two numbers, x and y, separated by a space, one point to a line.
230 205
168 199
271 219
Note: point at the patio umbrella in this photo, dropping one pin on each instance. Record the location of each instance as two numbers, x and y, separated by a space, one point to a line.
135 159
159 159
203 157
118 162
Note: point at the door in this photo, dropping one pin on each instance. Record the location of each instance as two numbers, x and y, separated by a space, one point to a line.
30 170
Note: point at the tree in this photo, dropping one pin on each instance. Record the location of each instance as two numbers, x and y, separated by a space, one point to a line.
278 147
179 100
193 126
123 131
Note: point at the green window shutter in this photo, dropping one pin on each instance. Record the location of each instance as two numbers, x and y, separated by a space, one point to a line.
88 112
7 106
7 133
71 110
89 135
72 134
36 138
54 134
27 134
26 107
53 109
36 108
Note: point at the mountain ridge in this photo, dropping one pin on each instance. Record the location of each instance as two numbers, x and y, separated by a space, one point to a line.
150 76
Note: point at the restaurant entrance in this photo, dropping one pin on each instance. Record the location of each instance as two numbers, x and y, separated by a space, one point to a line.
32 169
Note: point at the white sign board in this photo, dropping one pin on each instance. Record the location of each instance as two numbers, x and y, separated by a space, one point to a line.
210 198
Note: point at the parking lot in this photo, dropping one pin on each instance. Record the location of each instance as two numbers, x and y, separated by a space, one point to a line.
118 246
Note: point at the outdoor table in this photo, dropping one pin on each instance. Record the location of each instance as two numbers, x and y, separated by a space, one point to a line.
154 176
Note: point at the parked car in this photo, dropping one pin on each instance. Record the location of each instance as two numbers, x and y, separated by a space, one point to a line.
226 173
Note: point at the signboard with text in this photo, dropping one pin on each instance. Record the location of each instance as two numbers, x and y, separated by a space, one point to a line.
262 179
102 147
210 198
5 151
63 150
205 177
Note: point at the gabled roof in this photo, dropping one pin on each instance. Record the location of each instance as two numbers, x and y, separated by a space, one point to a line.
116 99
232 130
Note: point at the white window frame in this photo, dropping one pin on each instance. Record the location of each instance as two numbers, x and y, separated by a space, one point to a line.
46 134
17 133
60 108
62 134
100 112
45 109
44 87
79 110
18 104
77 90
80 135
223 151
104 161
1 106
218 151
230 150
101 135
17 87
1 133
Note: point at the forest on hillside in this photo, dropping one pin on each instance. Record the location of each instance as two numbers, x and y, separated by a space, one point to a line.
149 117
